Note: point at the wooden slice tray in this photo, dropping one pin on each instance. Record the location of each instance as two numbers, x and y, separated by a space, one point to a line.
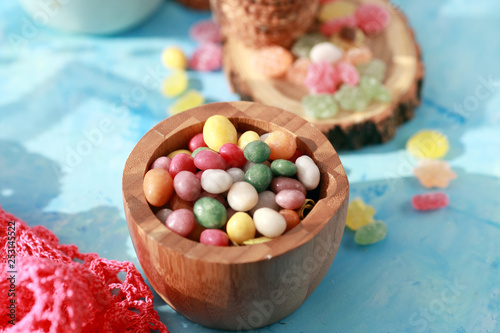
396 46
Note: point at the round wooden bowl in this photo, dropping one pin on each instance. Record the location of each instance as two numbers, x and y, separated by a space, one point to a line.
241 287
396 46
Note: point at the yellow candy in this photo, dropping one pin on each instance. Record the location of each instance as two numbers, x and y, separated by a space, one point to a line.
217 131
257 240
240 228
246 138
189 100
175 84
336 9
359 214
175 152
174 58
428 144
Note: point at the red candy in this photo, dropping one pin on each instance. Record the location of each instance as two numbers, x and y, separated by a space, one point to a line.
197 142
430 201
162 162
207 159
187 186
181 162
206 58
347 73
321 78
214 237
206 31
372 18
334 26
295 156
233 155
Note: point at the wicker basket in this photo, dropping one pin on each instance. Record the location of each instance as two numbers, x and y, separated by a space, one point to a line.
264 22
196 4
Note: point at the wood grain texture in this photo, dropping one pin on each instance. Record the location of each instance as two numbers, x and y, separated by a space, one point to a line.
396 46
236 287
196 4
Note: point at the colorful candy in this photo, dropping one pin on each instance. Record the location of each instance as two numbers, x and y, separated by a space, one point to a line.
196 142
269 222
336 9
321 106
175 84
209 159
260 176
373 88
174 58
233 155
181 162
371 233
181 221
282 145
266 199
434 173
375 68
348 74
302 47
279 184
218 130
335 25
292 218
189 100
237 174
307 172
359 214
206 31
428 144
242 196
372 18
216 181
240 228
257 152
321 78
272 61
210 213
290 199
283 168
214 237
246 138
430 201
297 73
207 57
358 55
162 162
352 98
187 186
325 52
158 187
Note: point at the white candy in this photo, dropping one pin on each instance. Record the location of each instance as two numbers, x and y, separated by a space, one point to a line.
242 196
266 199
325 52
237 174
264 136
269 222
249 164
216 181
307 172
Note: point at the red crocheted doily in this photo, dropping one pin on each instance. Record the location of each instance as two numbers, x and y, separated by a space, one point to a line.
58 289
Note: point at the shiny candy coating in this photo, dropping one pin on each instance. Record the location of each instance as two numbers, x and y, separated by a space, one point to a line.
178 151
257 152
214 237
359 214
196 142
240 227
246 138
158 187
181 162
290 199
269 222
282 145
237 174
307 172
216 181
371 233
208 159
210 213
233 155
283 168
279 184
174 58
266 199
187 186
242 196
260 176
162 162
428 144
292 218
181 222
197 150
430 201
218 130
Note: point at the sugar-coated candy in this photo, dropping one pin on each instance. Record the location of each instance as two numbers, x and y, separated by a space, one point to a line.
176 202
266 199
283 168
237 174
428 144
181 162
257 151
174 58
162 214
279 184
196 142
290 199
187 186
430 201
197 150
371 233
177 152
325 52
214 237
374 89
260 176
302 46
321 106
336 9
434 173
242 196
348 74
217 196
297 73
233 155
205 31
292 218
335 25
375 68
358 55
258 240
208 159
158 187
271 61
246 138
207 57
240 227
352 98
321 78
175 84
218 130
216 181
372 18
162 162
282 145
307 172
210 213
359 214
295 155
181 222
189 100
269 222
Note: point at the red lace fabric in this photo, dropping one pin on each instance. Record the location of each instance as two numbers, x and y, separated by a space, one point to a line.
58 289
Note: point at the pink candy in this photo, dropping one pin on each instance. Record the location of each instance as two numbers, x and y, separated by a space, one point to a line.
207 159
334 26
214 237
181 162
207 57
372 18
197 142
187 186
206 31
181 221
279 184
321 78
290 199
347 73
430 201
162 162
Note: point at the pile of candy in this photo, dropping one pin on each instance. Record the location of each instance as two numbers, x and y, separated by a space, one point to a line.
335 65
360 219
232 187
207 57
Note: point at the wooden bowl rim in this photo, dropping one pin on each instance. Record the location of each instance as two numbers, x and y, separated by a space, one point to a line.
139 161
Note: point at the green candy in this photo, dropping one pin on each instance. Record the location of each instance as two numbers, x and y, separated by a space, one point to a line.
197 150
257 151
375 68
305 43
375 89
283 168
352 98
210 213
371 233
320 106
260 176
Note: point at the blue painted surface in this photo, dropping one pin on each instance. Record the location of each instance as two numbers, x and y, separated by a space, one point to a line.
73 107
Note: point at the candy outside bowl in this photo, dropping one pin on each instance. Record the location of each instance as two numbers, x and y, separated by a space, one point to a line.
237 287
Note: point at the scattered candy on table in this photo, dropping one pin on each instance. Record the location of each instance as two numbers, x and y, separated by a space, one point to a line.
189 100
359 214
175 84
206 31
429 144
371 233
174 58
430 201
434 173
207 57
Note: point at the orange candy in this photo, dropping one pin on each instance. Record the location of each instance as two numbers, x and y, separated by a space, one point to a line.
158 187
272 61
291 217
282 145
177 203
298 72
358 55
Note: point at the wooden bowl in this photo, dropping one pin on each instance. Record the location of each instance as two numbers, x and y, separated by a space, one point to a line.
241 287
